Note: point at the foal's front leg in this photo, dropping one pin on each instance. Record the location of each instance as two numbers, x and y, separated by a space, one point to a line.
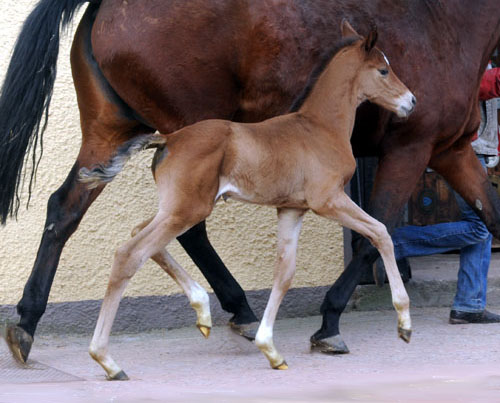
198 297
289 225
341 208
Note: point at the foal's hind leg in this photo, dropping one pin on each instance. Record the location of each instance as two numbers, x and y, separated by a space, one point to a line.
128 259
289 224
198 297
229 293
341 208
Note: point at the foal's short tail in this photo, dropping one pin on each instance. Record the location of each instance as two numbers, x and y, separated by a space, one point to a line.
101 174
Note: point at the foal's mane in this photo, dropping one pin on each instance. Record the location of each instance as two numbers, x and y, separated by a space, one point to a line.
320 67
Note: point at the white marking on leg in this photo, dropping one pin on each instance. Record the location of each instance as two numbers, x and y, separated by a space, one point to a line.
289 225
198 297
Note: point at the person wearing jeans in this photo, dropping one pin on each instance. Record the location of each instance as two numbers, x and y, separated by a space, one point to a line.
470 235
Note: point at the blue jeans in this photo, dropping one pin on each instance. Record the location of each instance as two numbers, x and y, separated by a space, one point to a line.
470 235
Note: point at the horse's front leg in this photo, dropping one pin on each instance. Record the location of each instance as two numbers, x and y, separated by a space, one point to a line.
342 209
395 180
289 225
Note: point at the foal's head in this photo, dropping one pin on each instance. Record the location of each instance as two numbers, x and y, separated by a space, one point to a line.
377 82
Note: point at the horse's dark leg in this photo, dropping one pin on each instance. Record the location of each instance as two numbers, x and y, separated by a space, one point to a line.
65 209
104 128
327 339
394 182
231 296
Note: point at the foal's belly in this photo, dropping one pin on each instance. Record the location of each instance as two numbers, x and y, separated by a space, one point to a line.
276 195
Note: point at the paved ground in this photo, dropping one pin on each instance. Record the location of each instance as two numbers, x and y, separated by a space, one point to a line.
442 363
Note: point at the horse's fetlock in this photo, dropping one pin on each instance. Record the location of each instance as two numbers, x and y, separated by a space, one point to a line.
199 296
97 353
261 341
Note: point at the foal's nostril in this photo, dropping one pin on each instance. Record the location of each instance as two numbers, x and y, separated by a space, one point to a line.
413 100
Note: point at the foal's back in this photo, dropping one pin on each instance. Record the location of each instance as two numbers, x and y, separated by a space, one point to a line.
276 162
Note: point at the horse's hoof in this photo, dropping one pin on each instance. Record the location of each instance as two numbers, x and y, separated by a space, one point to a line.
205 330
120 376
404 334
19 342
246 330
282 366
330 345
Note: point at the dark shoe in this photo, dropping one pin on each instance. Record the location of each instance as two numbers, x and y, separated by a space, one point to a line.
461 318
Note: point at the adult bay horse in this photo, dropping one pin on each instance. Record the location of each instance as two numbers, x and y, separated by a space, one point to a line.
245 61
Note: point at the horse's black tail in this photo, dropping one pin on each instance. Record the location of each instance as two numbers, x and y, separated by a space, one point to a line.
101 174
26 94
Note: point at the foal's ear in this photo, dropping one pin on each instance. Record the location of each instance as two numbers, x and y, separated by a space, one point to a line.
371 40
347 29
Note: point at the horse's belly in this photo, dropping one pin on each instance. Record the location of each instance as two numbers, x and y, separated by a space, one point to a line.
275 195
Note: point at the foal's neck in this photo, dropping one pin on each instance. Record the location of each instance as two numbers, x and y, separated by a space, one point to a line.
333 101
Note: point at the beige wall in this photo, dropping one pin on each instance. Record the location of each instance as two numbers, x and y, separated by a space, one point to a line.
243 235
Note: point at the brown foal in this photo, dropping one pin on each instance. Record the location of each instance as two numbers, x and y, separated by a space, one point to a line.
295 162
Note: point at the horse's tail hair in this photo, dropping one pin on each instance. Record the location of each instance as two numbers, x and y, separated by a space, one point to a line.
26 94
101 174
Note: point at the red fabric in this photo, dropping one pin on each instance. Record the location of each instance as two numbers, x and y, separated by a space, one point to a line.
490 85
489 88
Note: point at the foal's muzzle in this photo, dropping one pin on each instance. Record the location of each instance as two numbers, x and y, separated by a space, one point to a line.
407 105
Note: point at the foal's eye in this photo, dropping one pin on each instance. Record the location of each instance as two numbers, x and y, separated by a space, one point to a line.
384 72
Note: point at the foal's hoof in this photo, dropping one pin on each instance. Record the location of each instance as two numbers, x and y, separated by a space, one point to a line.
120 376
19 342
282 366
330 345
404 334
205 330
247 330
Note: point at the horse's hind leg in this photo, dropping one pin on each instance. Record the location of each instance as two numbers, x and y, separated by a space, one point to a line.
461 168
289 225
65 209
128 259
346 212
104 128
148 242
198 297
229 293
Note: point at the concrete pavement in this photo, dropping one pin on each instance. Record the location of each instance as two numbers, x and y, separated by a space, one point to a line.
442 363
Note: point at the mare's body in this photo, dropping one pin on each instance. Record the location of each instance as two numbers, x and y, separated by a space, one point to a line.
247 61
